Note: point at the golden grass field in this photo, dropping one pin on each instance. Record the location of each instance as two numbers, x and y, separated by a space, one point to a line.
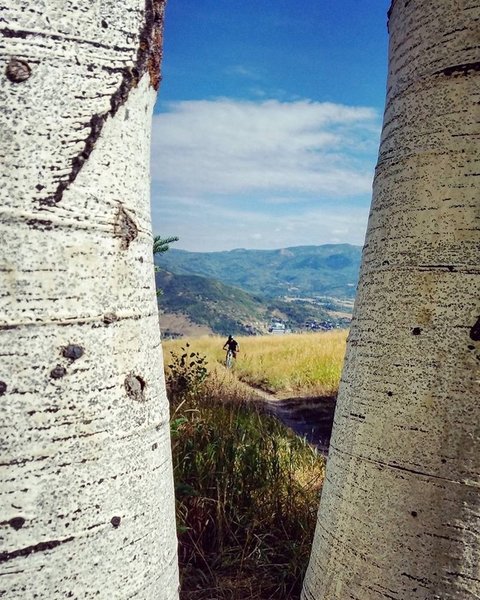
247 488
307 364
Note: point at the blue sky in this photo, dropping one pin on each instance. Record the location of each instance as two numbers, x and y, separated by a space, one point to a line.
266 129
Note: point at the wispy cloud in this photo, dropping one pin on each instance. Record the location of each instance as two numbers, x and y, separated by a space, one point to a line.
266 162
233 147
242 71
209 225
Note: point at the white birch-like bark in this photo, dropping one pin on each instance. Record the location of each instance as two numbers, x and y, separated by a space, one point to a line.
86 487
399 514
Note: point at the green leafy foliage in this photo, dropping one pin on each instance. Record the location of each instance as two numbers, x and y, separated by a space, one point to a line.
187 373
161 245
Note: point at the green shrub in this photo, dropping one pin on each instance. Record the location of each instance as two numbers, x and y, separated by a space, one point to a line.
186 375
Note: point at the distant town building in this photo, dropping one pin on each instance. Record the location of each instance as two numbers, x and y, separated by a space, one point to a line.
315 325
277 328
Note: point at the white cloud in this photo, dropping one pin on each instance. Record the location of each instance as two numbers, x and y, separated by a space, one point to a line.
266 174
235 147
204 225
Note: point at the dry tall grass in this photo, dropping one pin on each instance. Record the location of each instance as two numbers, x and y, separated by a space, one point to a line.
247 488
306 364
247 495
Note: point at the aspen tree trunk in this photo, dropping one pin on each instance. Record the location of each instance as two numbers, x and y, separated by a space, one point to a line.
86 484
399 514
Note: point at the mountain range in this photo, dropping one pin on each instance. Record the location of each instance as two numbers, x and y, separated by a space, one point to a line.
301 271
243 291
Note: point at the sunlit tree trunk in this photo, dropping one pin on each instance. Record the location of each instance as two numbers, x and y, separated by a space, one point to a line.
85 477
399 514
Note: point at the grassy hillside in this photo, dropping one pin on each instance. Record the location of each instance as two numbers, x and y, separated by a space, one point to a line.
225 309
208 302
247 489
329 270
307 364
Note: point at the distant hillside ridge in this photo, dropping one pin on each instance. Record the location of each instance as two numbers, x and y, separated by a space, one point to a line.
191 302
205 301
300 271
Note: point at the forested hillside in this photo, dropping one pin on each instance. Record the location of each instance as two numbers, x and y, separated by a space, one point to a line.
223 309
302 271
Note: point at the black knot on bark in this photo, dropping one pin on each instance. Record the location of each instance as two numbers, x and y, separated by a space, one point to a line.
73 352
17 522
109 318
18 70
3 388
115 521
416 331
58 372
475 331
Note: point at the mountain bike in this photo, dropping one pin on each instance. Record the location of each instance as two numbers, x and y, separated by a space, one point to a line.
229 359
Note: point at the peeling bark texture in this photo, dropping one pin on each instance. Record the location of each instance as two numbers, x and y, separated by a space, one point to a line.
399 514
86 505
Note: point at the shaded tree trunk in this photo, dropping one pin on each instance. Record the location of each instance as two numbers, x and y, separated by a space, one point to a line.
399 514
86 496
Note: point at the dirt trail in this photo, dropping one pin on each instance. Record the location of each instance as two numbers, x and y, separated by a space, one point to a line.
309 417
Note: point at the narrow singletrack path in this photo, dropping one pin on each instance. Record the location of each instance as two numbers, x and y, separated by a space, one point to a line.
308 417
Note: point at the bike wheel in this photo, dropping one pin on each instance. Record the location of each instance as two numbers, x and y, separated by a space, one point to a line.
229 360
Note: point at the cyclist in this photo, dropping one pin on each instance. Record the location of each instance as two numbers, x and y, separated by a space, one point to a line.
232 346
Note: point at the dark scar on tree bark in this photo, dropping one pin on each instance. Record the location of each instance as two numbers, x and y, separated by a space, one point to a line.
17 522
115 521
135 386
110 318
125 228
149 58
475 331
41 547
58 372
18 71
73 352
463 69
